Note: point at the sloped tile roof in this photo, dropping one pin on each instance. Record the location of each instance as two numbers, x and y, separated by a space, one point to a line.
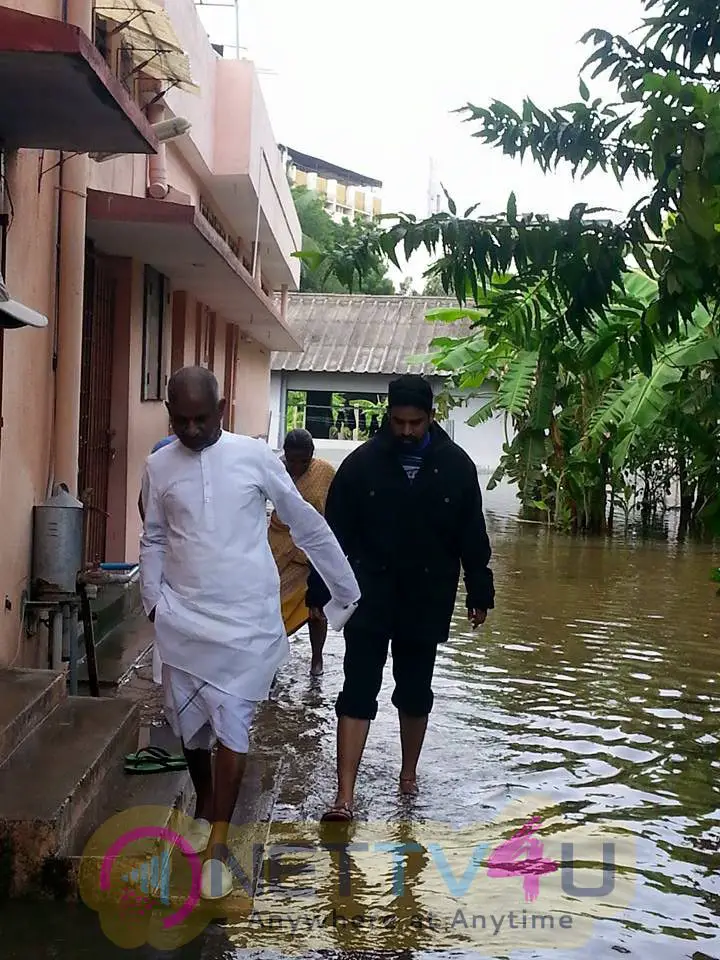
363 334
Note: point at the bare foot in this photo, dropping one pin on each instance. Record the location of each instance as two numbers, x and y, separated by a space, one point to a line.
408 785
316 668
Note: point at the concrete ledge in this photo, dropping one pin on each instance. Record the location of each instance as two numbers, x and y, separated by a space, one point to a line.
76 875
27 697
52 780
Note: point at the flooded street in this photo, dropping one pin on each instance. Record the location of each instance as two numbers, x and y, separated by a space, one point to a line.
591 696
594 684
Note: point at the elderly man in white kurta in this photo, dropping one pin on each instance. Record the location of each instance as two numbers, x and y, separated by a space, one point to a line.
211 587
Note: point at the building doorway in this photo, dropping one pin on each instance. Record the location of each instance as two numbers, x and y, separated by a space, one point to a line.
96 435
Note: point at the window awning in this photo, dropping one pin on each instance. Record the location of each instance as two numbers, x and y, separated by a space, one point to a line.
150 36
57 92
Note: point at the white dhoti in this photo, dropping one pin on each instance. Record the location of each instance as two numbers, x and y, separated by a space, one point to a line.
201 714
209 580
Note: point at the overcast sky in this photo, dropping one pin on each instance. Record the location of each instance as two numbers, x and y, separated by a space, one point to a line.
371 86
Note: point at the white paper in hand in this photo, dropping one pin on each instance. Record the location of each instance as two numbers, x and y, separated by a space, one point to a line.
338 615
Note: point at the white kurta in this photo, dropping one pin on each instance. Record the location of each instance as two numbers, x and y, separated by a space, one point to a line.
206 566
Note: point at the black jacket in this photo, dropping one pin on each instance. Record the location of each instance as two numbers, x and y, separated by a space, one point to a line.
407 541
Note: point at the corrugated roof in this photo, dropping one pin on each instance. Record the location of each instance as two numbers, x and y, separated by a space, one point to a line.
363 334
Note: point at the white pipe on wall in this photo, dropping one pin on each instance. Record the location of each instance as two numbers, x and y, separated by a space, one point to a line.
257 219
157 162
73 186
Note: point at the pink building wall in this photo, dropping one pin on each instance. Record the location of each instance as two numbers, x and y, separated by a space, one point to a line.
219 358
252 389
27 376
42 8
28 382
126 174
27 385
197 109
190 332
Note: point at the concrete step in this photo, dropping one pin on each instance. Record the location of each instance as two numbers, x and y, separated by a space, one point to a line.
26 699
148 861
159 800
53 778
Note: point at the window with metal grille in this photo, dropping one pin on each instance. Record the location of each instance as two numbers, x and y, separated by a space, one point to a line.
126 68
157 295
101 38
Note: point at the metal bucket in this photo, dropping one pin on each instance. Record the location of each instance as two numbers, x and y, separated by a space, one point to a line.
57 543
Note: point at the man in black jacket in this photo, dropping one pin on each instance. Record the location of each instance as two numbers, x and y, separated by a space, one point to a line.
407 510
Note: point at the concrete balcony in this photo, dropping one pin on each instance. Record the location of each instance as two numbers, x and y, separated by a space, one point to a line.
182 244
233 152
249 178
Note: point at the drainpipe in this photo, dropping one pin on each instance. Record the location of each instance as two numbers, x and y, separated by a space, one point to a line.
256 248
73 187
157 163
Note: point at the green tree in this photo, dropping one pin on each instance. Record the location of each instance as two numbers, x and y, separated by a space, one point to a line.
407 288
355 242
433 287
603 381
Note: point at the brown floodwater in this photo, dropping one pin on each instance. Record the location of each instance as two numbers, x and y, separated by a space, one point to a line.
590 699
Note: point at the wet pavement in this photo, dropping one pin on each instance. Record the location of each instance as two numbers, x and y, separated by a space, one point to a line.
590 698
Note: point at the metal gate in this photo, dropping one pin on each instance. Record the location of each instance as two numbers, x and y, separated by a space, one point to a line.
96 437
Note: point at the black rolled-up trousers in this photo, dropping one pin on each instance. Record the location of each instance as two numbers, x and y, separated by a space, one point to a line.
413 662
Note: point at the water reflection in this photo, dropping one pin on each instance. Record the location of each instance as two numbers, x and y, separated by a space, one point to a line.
594 685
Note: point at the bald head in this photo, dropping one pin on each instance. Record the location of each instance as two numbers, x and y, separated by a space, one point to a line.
194 381
195 407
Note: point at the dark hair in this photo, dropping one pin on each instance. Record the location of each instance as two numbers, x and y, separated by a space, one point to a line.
411 390
300 441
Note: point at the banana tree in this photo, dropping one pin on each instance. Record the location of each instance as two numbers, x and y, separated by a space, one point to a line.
669 416
580 408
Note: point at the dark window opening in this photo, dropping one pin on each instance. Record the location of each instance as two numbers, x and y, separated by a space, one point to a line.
101 38
157 294
335 416
126 68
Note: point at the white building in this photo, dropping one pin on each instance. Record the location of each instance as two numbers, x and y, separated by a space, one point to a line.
344 192
354 346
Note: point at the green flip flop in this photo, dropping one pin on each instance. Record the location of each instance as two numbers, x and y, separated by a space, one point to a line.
154 760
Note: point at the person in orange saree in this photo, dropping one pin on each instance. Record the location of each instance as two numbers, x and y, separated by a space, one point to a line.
312 478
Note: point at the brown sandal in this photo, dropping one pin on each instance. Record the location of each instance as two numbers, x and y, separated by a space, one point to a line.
339 813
